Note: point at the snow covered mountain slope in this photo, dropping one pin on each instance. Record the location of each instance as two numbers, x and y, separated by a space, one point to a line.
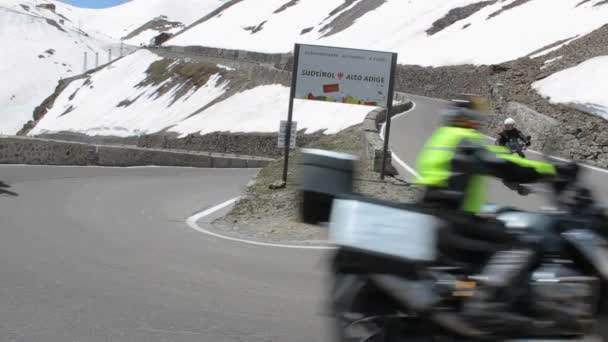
45 41
260 110
143 93
424 32
125 100
583 87
137 21
41 46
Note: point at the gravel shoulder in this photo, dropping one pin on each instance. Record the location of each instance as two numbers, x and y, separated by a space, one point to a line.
264 214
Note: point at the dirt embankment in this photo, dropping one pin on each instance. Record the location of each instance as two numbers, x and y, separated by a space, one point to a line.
272 215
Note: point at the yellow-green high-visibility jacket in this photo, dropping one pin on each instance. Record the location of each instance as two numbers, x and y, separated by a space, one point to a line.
455 160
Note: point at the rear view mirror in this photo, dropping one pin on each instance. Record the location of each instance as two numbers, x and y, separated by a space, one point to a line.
324 175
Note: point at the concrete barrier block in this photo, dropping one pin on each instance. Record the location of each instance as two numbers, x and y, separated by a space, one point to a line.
221 162
239 163
374 145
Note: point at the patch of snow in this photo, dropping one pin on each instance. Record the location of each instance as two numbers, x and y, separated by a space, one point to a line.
260 110
118 21
400 26
90 107
584 86
548 61
95 110
225 67
397 25
554 48
28 31
145 36
279 33
30 74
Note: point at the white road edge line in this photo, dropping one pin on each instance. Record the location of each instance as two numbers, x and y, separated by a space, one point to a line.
192 223
394 155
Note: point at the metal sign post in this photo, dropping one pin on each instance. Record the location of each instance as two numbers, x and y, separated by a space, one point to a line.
389 109
294 82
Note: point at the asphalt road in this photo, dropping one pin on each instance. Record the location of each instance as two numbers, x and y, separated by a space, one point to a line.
104 254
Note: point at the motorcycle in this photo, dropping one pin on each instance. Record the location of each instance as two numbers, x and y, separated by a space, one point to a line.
517 146
390 282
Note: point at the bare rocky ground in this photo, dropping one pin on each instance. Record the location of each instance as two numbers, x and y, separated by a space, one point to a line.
272 215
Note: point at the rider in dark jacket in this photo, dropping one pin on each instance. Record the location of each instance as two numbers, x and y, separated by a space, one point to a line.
510 132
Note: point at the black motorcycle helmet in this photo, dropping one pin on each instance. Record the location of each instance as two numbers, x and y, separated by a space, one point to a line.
466 112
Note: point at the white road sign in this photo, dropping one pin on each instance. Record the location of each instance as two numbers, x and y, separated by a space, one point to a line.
343 75
283 134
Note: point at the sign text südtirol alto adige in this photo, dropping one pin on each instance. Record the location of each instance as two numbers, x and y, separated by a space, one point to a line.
343 75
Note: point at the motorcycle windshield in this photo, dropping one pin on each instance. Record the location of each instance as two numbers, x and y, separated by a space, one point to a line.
514 144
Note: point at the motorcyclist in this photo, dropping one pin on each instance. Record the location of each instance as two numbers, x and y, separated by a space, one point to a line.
451 168
509 132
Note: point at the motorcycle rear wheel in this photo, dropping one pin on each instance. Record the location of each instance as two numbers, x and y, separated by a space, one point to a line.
370 315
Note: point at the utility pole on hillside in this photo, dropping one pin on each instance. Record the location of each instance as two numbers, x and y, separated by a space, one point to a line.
85 62
35 6
109 55
122 47
96 59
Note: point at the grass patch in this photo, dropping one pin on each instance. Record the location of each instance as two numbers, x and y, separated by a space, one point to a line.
178 74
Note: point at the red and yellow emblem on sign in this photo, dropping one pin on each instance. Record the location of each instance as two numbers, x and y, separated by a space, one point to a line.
331 88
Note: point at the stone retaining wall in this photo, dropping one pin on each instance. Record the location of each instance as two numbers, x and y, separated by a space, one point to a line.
278 61
251 144
18 150
21 150
372 128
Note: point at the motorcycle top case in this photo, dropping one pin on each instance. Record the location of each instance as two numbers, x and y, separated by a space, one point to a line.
382 229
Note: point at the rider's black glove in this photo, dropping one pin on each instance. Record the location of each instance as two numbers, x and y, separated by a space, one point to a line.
567 171
566 174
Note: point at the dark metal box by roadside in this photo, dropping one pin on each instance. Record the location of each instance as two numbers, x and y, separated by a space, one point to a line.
323 176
